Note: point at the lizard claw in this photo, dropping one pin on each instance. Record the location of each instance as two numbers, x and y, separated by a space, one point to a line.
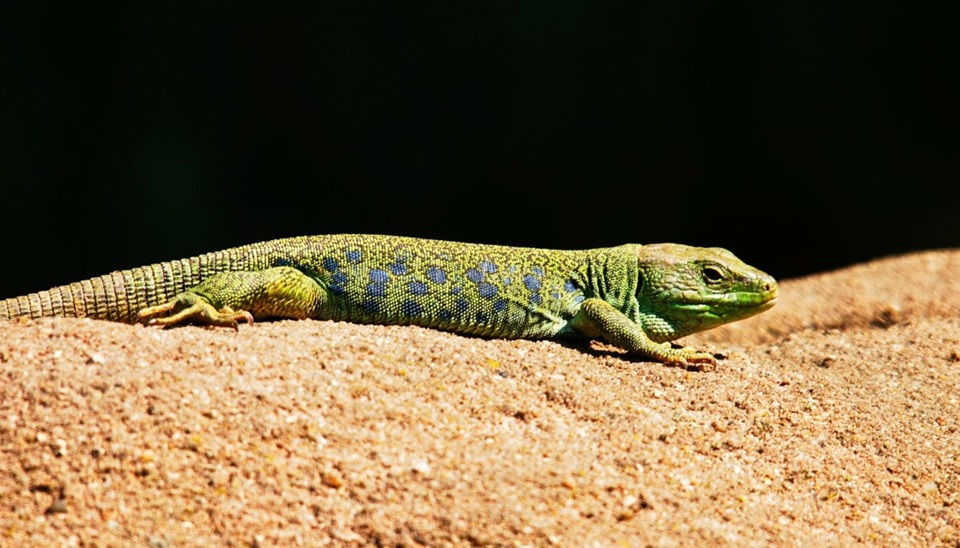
234 317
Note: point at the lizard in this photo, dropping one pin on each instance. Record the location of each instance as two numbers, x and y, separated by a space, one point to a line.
636 297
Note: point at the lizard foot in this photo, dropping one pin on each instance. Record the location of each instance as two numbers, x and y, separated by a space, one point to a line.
689 358
189 307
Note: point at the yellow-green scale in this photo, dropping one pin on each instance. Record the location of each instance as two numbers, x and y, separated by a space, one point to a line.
469 288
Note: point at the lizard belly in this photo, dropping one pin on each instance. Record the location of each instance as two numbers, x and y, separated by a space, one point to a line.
503 317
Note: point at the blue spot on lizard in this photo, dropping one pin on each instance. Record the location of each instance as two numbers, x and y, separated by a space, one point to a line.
378 283
339 279
436 275
417 288
330 264
487 290
410 308
531 282
354 256
474 275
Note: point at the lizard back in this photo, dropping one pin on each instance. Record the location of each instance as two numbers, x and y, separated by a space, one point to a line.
478 289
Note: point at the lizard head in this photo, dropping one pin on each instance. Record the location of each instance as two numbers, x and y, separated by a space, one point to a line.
685 289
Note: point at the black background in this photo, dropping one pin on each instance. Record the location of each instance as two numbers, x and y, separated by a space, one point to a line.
802 137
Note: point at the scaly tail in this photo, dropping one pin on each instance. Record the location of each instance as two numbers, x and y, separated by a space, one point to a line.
120 295
117 296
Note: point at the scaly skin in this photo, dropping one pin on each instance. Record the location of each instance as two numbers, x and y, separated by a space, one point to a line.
637 297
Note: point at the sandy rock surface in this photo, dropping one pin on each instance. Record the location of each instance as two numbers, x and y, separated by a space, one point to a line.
834 420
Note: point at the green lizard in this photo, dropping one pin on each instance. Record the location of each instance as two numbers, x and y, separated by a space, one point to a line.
636 297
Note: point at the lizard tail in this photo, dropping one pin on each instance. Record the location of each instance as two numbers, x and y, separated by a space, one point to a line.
120 295
117 296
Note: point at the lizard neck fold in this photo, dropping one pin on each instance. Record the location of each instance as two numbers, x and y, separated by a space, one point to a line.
612 274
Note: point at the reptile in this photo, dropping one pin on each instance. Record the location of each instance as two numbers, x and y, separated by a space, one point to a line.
635 297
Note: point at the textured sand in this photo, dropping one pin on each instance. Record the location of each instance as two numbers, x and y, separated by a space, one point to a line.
834 420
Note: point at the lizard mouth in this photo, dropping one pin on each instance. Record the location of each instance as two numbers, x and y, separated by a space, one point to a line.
772 295
729 302
763 297
768 305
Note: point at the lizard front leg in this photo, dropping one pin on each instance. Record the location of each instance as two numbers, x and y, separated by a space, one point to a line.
597 317
229 297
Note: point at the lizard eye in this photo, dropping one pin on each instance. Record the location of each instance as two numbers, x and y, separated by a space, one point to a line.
712 274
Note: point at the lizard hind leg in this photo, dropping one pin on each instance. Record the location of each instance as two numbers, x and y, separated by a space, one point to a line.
230 297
